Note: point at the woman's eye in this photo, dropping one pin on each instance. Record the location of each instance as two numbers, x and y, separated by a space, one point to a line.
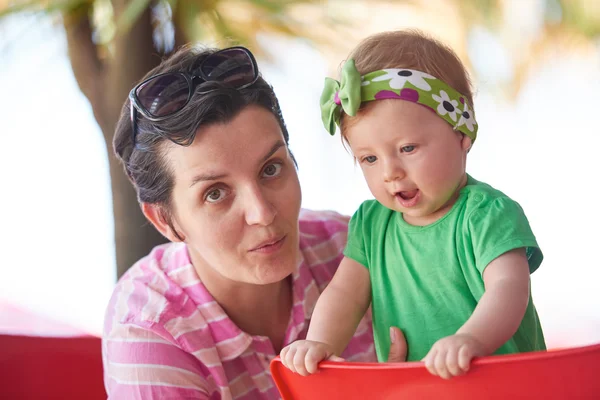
215 195
407 149
370 159
272 170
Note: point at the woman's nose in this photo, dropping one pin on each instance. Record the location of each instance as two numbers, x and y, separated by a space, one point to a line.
259 209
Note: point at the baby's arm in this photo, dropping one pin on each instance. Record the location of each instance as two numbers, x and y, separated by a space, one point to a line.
494 321
335 318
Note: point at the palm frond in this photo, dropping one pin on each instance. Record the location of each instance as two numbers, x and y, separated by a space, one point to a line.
130 14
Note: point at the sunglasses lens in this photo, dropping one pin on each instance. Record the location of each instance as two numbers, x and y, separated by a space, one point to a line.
164 94
232 66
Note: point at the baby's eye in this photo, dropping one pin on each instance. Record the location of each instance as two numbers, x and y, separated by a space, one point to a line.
369 159
407 149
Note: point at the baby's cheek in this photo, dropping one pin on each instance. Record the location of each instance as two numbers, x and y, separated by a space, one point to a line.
442 181
380 193
374 181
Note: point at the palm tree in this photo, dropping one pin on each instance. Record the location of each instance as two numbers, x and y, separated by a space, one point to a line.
113 43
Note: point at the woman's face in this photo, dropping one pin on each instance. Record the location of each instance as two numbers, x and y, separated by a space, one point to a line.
236 199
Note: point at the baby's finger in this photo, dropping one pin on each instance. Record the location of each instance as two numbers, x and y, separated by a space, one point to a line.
440 365
313 357
464 358
335 358
300 361
429 361
452 363
283 353
288 358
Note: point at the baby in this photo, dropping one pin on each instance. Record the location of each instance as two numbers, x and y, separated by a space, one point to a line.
439 254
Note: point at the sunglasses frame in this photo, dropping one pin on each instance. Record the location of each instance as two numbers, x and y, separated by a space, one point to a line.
192 81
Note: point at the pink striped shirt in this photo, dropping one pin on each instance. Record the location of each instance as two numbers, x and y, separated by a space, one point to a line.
165 337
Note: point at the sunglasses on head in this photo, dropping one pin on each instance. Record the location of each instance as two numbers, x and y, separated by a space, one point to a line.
162 96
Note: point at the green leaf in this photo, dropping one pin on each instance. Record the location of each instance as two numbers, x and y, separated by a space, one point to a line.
273 7
130 15
186 15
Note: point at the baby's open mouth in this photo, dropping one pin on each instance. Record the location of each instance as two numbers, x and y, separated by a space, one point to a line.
408 198
408 194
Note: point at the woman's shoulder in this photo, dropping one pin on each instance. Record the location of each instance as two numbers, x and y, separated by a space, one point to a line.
153 329
151 294
320 227
323 236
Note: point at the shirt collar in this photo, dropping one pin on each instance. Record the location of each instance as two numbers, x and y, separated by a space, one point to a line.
305 295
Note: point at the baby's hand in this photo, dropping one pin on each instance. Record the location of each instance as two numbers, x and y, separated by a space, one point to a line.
302 356
452 355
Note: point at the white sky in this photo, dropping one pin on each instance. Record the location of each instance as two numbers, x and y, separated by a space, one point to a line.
56 241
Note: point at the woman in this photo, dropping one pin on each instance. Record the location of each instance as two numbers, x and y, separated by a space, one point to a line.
204 144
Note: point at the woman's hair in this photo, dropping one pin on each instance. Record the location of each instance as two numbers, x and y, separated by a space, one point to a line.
145 160
411 49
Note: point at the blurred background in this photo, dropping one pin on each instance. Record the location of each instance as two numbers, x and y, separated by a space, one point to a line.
70 221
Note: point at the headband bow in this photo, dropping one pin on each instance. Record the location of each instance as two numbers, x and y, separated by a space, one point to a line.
340 95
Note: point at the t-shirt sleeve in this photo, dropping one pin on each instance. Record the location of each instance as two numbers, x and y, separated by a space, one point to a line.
501 226
355 247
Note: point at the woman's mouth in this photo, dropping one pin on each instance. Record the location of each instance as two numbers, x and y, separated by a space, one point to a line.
270 246
408 198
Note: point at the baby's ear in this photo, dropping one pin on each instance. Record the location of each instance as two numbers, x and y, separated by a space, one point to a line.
466 142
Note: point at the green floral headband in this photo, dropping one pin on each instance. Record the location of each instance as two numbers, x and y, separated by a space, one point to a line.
403 84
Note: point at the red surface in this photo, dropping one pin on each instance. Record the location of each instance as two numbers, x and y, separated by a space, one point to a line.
559 374
33 367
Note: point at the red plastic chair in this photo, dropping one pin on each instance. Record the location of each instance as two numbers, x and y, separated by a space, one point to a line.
559 374
33 367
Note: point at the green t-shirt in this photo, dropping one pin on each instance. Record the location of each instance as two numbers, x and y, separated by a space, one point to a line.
427 280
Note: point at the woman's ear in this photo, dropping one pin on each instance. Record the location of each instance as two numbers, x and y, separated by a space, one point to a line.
156 215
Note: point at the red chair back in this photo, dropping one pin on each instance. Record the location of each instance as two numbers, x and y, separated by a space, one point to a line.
559 374
51 368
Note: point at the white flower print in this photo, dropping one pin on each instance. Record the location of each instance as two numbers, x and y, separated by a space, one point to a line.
363 82
446 106
399 77
466 118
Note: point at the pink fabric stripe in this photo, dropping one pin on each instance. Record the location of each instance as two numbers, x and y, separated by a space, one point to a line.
262 345
253 366
152 353
362 348
196 340
236 367
325 252
224 330
122 392
324 273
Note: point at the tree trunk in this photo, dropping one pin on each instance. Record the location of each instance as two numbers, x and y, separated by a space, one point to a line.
106 84
134 235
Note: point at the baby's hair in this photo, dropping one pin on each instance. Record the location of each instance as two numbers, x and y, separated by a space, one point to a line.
411 49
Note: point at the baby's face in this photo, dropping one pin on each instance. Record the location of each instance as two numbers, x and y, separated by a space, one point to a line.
412 160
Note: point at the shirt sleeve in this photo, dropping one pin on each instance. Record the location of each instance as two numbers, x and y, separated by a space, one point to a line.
355 247
500 226
139 364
